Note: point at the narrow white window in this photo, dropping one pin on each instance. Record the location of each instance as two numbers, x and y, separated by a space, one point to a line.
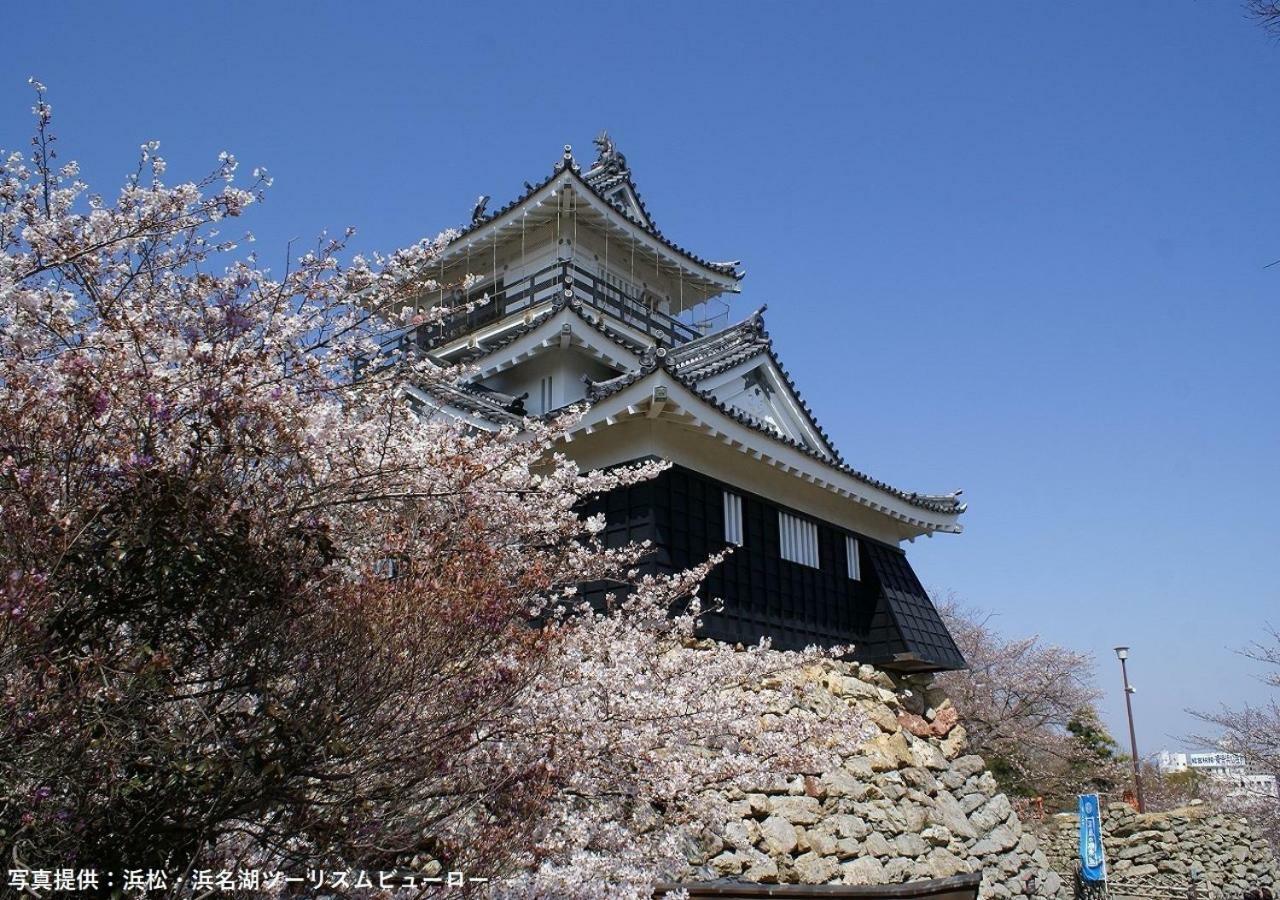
732 518
851 552
799 539
546 396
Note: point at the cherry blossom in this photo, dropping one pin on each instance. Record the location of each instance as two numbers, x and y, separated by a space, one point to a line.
258 608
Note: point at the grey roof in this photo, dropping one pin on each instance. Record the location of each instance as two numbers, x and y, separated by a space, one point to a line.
495 406
690 364
597 185
695 361
559 303
610 172
720 351
492 406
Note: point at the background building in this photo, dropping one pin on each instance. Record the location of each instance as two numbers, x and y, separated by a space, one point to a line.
1221 766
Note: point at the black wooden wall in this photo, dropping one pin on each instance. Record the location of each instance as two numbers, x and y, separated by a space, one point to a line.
886 613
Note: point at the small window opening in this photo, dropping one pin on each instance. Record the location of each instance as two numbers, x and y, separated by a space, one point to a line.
798 539
732 518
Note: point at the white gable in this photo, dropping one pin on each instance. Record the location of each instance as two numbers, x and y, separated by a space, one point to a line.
757 389
624 198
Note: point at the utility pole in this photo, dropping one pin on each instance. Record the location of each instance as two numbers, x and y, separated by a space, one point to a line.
1122 653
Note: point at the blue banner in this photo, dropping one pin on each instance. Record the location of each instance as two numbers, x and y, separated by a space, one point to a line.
1093 864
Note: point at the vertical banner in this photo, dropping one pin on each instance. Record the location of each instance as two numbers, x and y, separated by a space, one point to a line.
1093 865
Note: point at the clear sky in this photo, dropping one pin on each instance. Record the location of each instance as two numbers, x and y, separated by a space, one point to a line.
1017 248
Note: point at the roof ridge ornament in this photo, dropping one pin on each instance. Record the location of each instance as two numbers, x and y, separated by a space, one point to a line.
610 168
652 358
607 154
616 190
566 161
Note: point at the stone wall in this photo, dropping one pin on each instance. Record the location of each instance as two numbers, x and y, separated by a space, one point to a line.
910 803
1220 853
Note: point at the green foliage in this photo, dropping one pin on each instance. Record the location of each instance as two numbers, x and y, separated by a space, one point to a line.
1011 777
1094 766
1091 735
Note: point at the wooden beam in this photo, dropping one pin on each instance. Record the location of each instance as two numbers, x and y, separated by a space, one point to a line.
658 402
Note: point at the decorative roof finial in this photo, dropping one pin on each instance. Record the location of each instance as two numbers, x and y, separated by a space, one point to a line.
607 156
477 213
567 161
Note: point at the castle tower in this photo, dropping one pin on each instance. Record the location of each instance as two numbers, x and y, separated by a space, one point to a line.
583 300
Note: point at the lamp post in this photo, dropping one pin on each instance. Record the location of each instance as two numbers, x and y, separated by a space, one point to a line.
1122 654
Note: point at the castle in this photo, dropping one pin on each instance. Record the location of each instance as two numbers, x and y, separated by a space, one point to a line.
583 300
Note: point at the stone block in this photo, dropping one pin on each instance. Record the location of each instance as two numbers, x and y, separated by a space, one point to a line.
778 835
814 869
910 845
797 810
865 870
876 844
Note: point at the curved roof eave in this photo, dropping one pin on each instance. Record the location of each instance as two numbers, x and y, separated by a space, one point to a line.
936 512
619 352
726 275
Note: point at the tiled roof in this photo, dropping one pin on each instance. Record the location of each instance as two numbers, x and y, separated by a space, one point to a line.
560 302
715 353
920 629
492 406
610 172
568 164
688 364
697 360
720 351
495 406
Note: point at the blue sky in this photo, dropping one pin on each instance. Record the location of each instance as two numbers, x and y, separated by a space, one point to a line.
1017 248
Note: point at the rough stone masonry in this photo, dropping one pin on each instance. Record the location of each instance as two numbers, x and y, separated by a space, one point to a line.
909 803
1220 853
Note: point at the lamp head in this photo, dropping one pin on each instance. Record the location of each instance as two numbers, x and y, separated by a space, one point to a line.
1122 653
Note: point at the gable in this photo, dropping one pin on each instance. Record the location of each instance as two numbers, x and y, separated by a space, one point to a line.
549 378
757 388
561 327
624 198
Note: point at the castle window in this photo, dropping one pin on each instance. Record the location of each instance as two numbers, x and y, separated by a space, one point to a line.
798 539
545 395
851 553
732 518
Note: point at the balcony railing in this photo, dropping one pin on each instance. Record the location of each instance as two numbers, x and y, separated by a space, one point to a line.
544 285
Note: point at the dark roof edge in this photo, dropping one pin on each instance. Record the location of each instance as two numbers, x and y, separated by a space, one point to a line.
569 165
947 504
557 305
755 323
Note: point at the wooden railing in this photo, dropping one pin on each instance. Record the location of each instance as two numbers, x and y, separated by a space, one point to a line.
543 285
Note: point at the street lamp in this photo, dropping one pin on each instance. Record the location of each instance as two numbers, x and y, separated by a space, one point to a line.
1122 653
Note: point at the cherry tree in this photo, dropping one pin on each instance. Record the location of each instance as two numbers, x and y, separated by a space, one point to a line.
1266 13
258 609
1252 731
1028 707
